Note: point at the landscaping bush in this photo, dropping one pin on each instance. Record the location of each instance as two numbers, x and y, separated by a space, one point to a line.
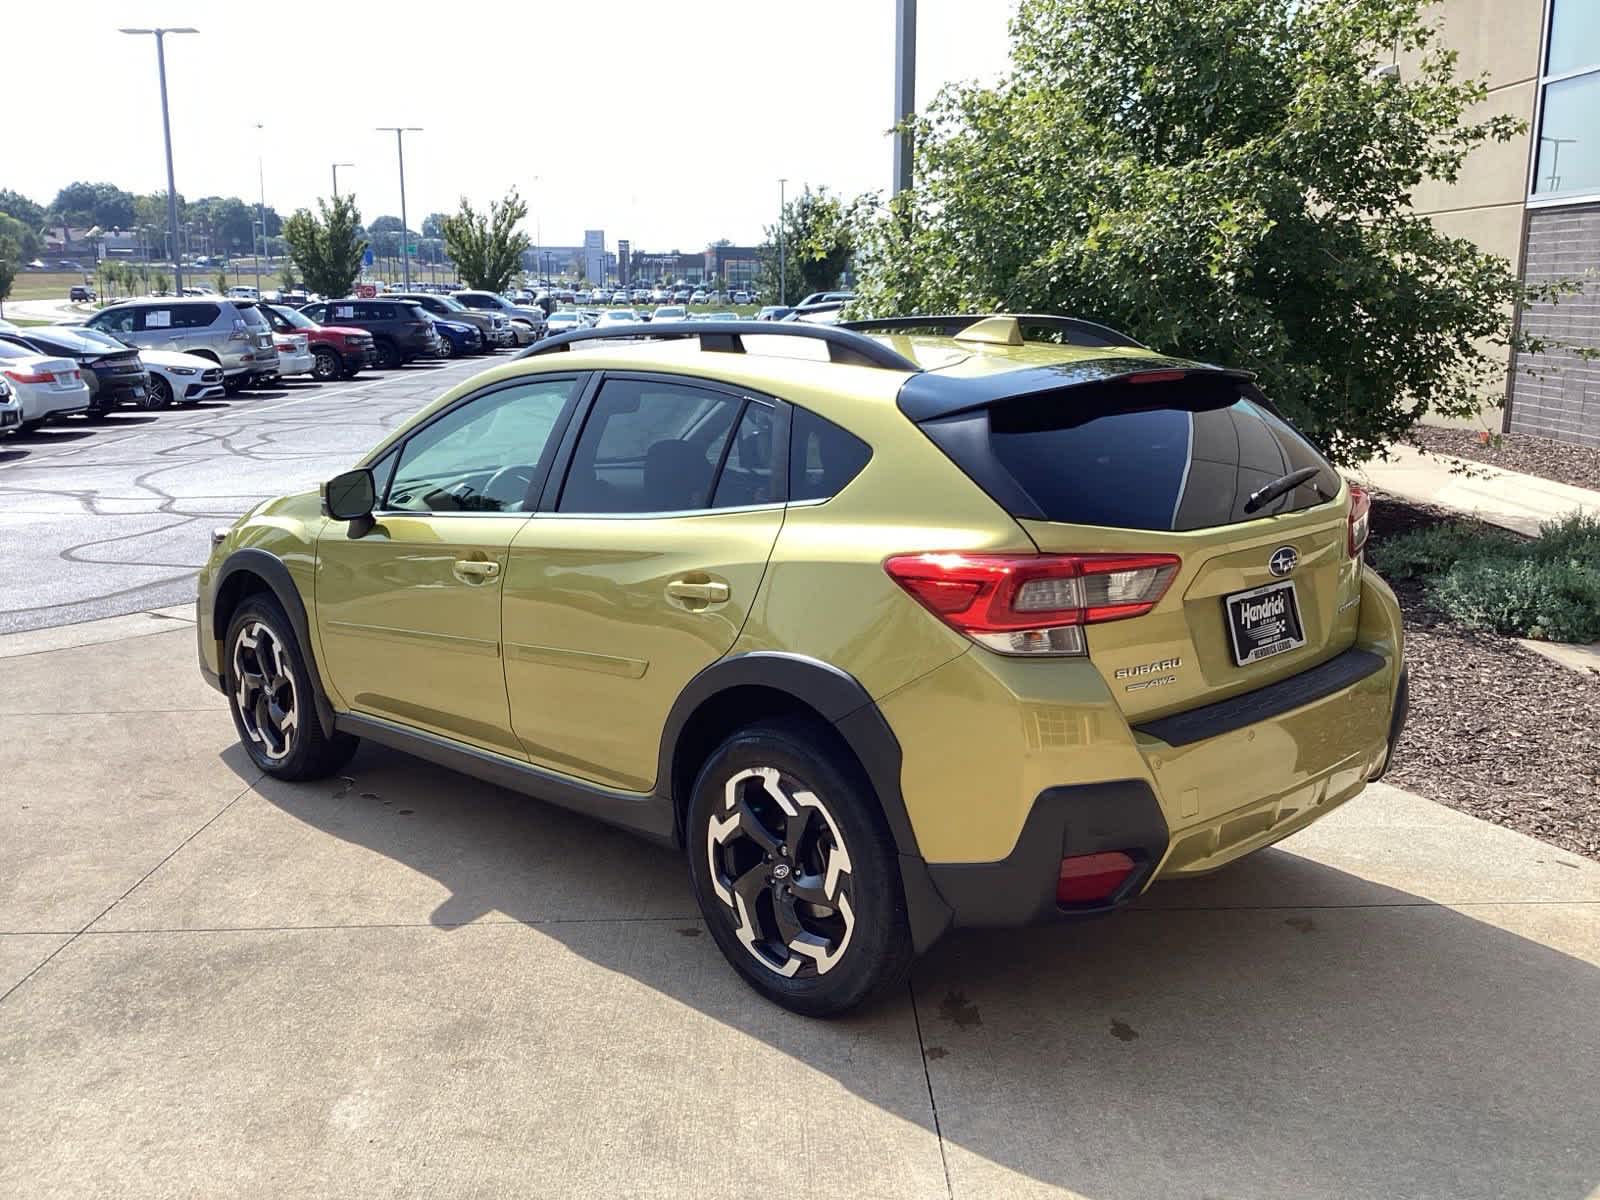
1547 588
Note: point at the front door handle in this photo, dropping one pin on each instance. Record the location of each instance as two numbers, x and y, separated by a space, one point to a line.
472 570
707 593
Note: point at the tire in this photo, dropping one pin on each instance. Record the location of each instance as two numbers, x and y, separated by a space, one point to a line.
233 385
326 365
447 348
786 799
32 426
389 357
271 698
97 414
157 395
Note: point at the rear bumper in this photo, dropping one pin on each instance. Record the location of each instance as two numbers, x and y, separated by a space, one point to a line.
295 364
1011 766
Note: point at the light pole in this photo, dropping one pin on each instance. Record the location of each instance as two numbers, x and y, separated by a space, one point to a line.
405 229
166 133
261 206
336 167
783 264
905 89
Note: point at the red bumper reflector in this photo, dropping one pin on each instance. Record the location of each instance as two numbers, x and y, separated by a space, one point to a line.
1086 878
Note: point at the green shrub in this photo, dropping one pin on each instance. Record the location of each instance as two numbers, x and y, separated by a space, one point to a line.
1547 588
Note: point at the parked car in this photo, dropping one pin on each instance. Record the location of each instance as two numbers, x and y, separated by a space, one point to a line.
698 297
682 295
337 351
495 327
457 338
110 368
773 312
620 296
670 312
1140 682
177 378
717 316
243 292
741 297
41 386
78 293
565 321
826 298
232 332
527 323
401 331
617 316
660 295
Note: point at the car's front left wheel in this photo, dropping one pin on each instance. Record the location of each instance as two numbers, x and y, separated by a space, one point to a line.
270 696
795 870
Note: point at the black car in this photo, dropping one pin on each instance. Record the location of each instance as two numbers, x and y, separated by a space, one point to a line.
112 370
401 332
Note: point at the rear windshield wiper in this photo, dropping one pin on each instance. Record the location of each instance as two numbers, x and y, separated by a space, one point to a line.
1284 483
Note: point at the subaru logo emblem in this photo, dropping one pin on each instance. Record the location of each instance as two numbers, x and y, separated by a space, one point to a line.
1284 560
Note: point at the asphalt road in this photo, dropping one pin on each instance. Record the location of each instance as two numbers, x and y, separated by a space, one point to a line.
97 520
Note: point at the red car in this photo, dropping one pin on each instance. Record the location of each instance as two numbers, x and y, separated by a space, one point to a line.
339 350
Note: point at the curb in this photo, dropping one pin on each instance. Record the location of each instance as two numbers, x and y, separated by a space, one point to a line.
97 632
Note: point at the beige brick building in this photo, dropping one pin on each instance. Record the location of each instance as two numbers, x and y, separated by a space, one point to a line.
1536 199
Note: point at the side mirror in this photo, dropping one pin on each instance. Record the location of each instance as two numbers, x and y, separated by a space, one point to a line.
350 496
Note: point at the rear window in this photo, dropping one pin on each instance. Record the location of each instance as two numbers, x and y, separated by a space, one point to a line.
251 316
1161 456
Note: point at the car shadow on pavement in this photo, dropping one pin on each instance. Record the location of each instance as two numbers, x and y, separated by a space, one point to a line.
1281 1029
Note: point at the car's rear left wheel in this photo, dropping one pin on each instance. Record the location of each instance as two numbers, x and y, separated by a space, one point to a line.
271 699
795 870
157 395
447 348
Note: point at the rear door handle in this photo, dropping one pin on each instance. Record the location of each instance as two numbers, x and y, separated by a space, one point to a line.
709 593
469 570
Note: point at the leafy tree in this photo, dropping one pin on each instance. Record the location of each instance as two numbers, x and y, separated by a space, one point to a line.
162 282
819 237
28 240
23 209
10 256
221 281
325 249
286 277
432 224
1228 181
102 204
487 248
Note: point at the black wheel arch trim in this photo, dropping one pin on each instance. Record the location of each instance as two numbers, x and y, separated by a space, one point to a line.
271 570
841 700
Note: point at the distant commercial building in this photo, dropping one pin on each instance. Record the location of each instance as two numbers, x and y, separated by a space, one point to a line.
624 275
733 266
1535 199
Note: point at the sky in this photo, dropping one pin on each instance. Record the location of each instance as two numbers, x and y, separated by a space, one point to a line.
667 123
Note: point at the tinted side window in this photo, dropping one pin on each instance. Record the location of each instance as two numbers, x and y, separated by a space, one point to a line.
485 455
195 316
747 471
649 447
116 321
317 312
822 457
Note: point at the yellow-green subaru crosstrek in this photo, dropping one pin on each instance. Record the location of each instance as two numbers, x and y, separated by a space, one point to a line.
892 625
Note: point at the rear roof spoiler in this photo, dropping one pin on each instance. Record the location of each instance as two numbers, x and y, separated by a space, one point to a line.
1071 331
932 394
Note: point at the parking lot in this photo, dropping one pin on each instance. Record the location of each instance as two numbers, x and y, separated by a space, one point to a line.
404 982
113 517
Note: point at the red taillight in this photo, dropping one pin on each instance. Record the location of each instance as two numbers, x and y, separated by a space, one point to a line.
1033 603
30 377
1086 878
1157 376
286 347
1360 519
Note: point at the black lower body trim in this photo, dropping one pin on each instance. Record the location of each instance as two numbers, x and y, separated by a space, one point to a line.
1397 721
649 815
1090 818
1213 720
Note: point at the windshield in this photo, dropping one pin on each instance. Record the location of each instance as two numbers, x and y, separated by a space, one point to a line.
451 304
91 340
675 310
298 319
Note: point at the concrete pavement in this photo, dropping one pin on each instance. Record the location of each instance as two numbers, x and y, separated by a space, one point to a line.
1509 499
405 983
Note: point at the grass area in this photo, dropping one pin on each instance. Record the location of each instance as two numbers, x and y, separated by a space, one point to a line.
44 285
1546 588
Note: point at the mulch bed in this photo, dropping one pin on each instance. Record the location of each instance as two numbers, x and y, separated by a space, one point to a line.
1495 730
1544 457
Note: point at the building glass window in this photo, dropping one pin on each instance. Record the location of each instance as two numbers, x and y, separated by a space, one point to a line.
1567 157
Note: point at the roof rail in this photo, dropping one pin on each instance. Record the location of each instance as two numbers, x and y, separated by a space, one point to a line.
844 346
1075 332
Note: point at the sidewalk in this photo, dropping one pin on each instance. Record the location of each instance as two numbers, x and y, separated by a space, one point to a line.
1500 497
402 981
